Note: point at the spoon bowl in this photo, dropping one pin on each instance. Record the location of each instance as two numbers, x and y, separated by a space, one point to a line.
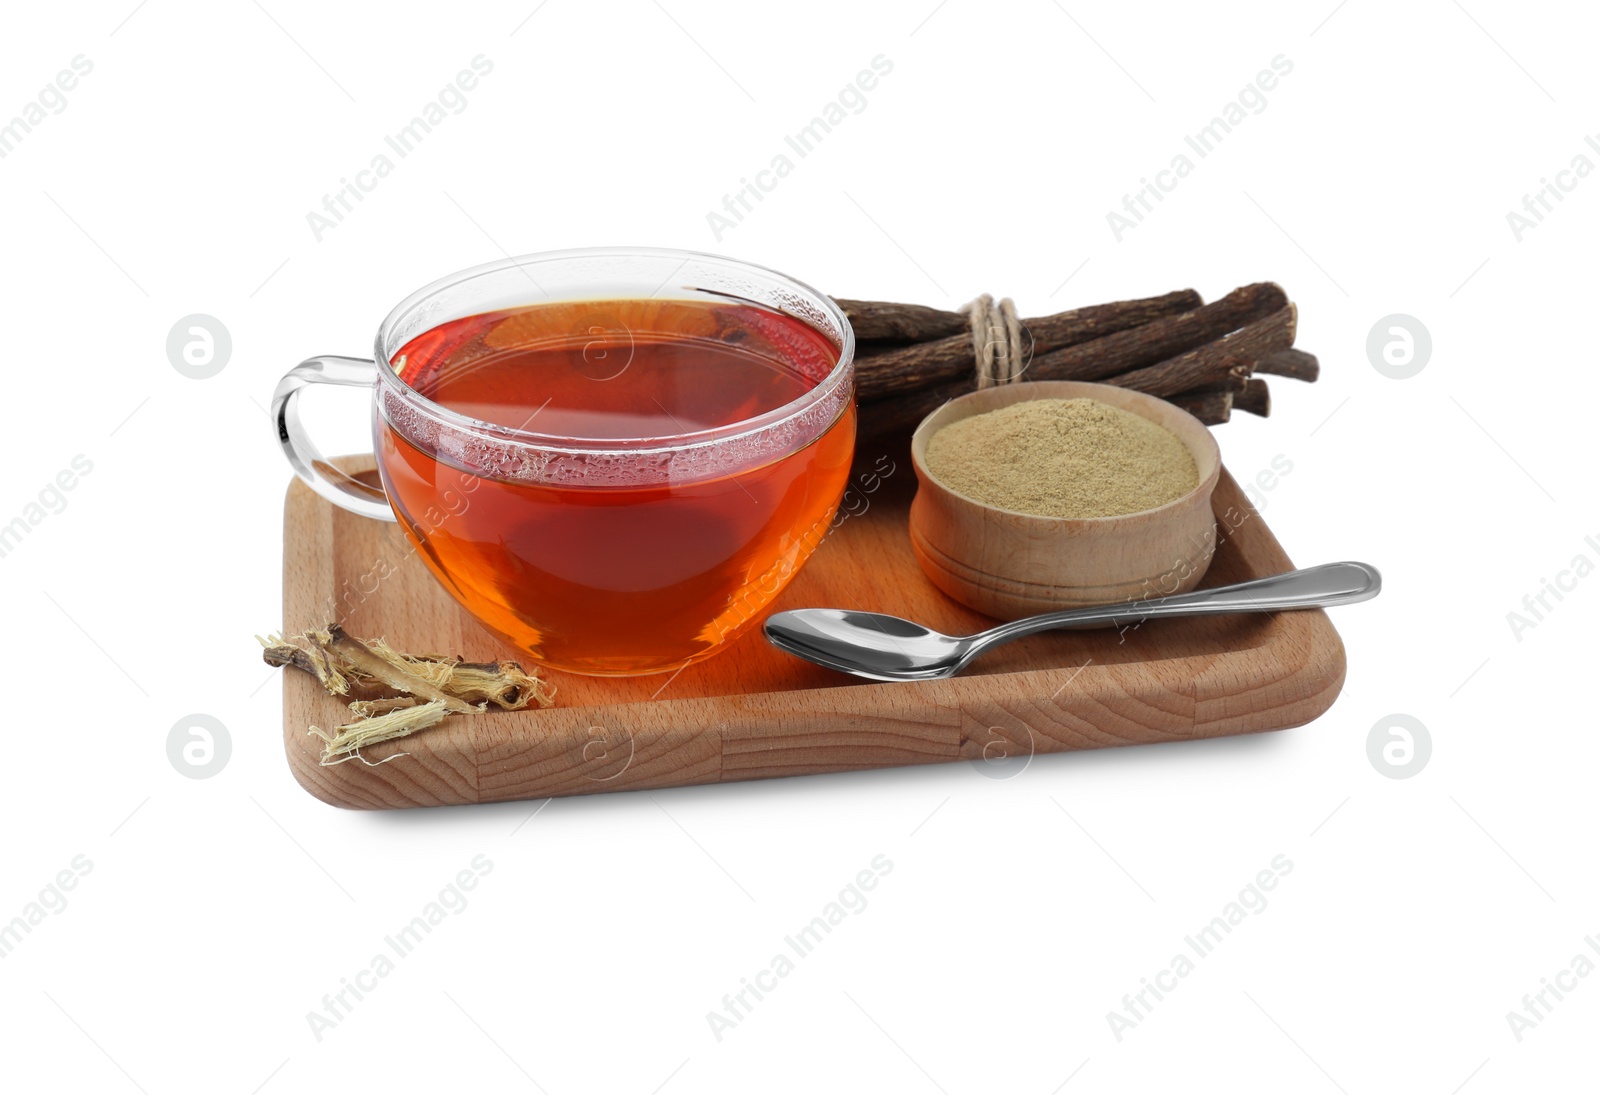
868 644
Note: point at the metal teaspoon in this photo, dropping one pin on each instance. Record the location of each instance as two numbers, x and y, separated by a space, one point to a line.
887 648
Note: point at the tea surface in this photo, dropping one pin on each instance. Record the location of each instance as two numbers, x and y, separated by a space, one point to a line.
618 369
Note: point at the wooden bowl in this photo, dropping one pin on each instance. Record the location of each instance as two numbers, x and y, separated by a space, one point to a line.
1009 565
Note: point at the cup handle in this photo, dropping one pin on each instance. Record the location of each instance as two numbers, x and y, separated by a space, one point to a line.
306 459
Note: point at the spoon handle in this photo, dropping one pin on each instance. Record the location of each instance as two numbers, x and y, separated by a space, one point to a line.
1313 587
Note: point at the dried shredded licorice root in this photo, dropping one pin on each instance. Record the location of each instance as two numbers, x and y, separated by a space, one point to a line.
393 694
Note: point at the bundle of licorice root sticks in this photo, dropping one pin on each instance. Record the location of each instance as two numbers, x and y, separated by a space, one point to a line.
1203 357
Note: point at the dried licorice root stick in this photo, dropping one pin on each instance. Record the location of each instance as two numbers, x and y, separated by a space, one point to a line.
434 685
908 369
1212 363
347 741
347 666
1254 398
372 708
368 661
1250 321
878 321
1211 406
1185 373
1156 342
503 684
311 658
1291 363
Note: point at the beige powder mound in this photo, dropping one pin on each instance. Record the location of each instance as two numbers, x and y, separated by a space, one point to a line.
1062 458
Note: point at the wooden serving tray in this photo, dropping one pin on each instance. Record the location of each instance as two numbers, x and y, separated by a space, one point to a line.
753 712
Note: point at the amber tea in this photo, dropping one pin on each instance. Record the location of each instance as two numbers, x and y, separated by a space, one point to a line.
633 490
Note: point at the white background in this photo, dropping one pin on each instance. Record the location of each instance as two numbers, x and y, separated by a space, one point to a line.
1377 180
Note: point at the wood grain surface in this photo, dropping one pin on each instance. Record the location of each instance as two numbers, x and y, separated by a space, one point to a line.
753 712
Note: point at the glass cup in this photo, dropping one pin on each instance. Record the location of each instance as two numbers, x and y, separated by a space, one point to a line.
600 555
